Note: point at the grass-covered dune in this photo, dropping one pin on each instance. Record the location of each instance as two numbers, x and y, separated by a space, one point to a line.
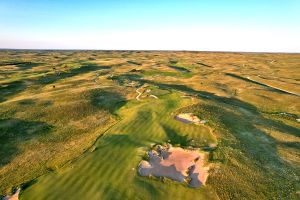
76 124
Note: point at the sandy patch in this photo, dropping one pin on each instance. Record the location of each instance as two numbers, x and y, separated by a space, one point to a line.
189 118
15 196
177 164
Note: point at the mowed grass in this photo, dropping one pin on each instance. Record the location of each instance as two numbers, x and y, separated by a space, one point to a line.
110 170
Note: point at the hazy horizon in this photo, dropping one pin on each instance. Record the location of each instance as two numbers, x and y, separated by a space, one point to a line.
234 26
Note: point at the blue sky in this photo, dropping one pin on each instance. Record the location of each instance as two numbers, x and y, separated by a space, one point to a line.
215 25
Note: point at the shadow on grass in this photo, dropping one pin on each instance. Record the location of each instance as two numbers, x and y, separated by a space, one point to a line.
112 192
124 78
144 184
15 87
73 72
14 132
28 184
134 63
107 100
23 65
255 144
10 89
241 121
26 102
175 138
261 84
205 65
180 69
118 141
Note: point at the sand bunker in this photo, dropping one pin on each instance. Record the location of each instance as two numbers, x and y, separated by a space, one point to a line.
189 118
177 164
15 196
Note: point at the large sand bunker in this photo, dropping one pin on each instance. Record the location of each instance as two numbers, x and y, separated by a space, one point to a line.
177 164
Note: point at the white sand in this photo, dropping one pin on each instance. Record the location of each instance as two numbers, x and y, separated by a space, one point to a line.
177 164
189 118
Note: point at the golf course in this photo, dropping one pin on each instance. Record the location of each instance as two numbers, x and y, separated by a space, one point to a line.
78 124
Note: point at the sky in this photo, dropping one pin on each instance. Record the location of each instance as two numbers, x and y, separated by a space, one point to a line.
201 25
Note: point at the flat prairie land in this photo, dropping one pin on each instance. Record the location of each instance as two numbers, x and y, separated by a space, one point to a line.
76 124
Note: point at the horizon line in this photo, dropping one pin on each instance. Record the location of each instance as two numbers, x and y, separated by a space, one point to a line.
144 50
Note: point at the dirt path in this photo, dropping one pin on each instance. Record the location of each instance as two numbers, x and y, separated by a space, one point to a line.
155 97
139 94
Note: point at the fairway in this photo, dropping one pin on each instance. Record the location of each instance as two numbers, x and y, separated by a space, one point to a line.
76 124
107 172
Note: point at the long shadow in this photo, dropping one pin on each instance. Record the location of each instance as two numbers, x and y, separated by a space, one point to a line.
294 145
15 87
134 63
180 69
145 184
281 127
205 65
73 72
175 138
14 132
236 103
256 144
10 89
183 88
261 84
26 102
23 65
118 140
124 78
108 100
